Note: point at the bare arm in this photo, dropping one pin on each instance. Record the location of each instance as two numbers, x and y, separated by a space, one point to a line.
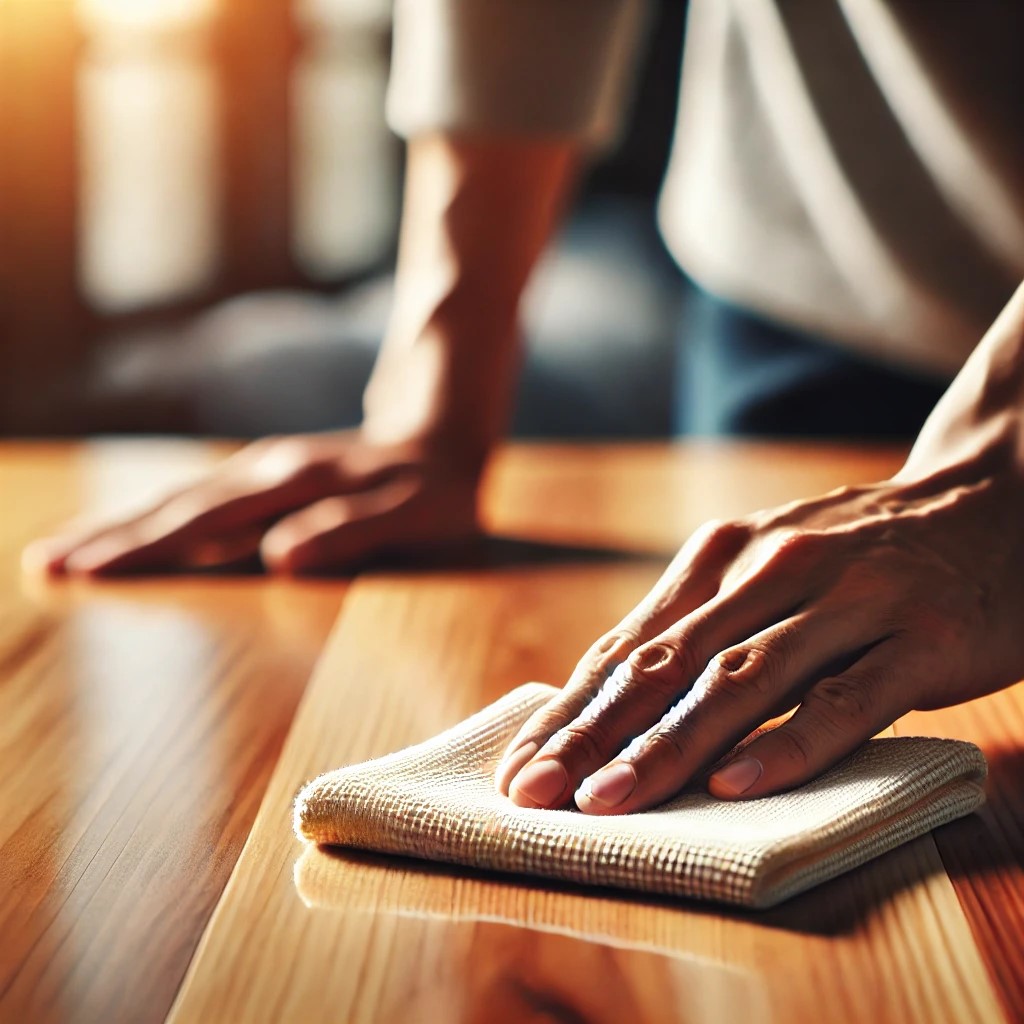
497 98
477 214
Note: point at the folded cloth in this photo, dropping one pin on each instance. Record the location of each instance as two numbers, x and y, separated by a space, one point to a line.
437 801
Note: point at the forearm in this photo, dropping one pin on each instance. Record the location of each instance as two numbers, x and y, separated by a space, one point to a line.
478 213
981 415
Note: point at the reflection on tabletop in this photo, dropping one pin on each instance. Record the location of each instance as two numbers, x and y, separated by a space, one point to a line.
570 925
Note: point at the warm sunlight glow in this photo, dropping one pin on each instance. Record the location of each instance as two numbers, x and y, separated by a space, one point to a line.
344 14
344 171
149 196
143 13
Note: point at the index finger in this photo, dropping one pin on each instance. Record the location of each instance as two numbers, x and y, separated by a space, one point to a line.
691 579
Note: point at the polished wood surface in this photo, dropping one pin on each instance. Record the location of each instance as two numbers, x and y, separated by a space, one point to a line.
139 723
137 769
984 854
319 937
303 934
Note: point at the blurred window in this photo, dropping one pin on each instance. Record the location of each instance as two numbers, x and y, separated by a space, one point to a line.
149 205
344 201
155 181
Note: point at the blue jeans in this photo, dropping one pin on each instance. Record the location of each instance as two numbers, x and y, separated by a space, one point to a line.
740 374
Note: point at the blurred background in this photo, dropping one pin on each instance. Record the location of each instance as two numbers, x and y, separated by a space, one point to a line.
198 210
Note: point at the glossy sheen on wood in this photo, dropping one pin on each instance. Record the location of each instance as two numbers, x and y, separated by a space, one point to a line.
139 723
984 854
301 934
314 937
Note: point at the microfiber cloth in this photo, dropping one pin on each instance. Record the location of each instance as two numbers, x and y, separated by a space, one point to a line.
437 801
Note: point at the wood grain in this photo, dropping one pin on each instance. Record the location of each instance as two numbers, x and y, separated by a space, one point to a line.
373 942
309 936
984 854
139 723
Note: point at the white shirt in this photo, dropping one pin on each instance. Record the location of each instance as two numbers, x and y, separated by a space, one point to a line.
853 168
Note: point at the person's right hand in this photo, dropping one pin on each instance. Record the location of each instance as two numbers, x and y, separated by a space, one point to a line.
305 504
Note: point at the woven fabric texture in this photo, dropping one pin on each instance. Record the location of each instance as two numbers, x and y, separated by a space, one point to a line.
437 801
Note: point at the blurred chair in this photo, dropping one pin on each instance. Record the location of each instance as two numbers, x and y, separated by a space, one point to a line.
600 320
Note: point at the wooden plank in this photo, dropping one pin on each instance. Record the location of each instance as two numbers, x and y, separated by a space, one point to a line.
412 655
355 938
984 854
139 723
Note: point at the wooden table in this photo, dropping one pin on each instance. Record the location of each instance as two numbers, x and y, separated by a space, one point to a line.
142 723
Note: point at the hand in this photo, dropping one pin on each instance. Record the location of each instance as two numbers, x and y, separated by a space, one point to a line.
304 504
438 400
858 606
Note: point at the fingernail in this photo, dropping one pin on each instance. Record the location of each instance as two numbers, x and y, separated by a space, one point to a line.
275 547
513 763
736 778
42 556
541 783
610 786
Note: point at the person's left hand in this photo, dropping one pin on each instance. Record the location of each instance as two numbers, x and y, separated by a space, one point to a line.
857 606
304 504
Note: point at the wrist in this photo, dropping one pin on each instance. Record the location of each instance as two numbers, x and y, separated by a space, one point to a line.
478 212
980 419
969 442
446 391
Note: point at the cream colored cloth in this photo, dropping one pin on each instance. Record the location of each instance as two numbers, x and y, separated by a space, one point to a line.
437 801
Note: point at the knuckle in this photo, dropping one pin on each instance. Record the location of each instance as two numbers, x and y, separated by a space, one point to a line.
789 546
539 727
735 675
794 746
546 723
844 698
608 653
671 744
289 460
765 662
708 532
660 664
722 534
585 742
792 550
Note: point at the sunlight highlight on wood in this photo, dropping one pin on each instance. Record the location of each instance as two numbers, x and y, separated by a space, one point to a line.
310 936
142 722
139 723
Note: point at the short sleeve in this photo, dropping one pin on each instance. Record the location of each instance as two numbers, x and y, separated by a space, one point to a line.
536 67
